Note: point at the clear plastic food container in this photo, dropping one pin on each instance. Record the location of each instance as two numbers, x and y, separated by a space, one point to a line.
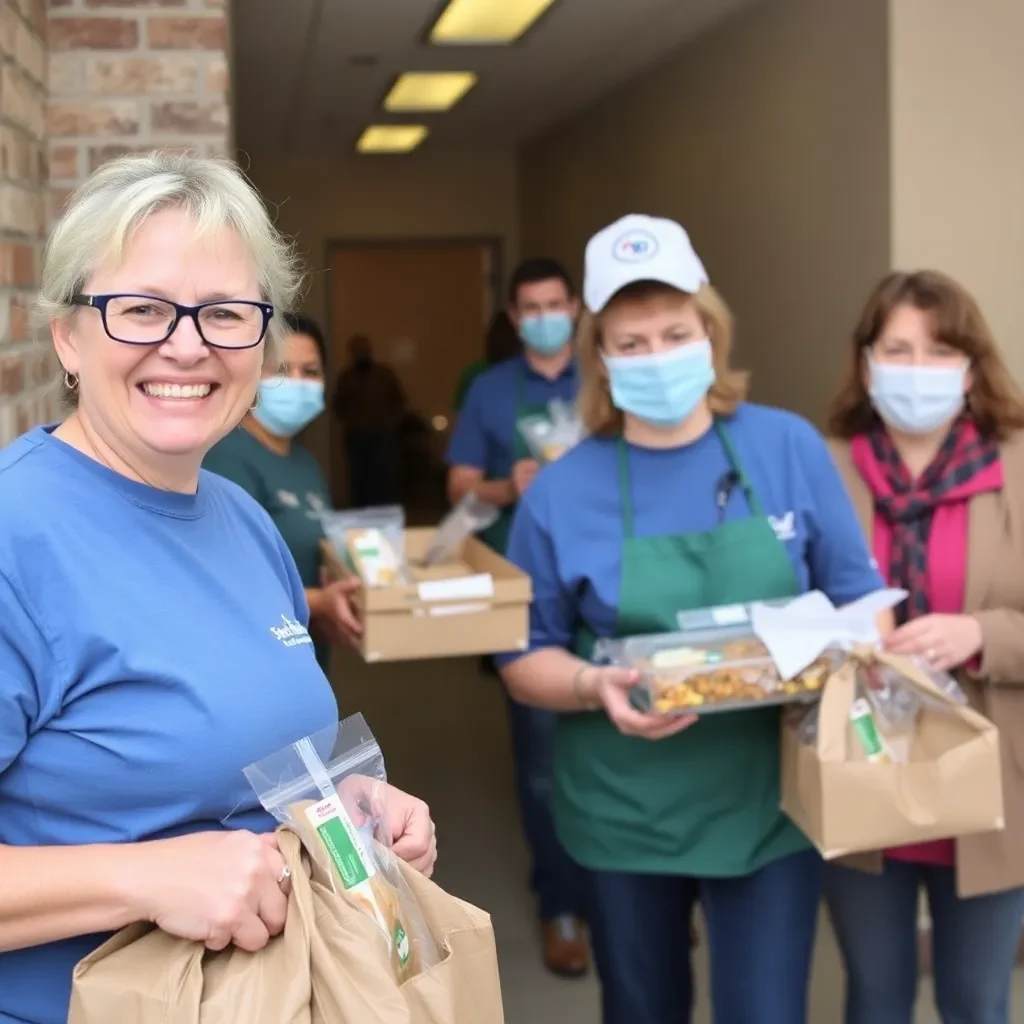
701 671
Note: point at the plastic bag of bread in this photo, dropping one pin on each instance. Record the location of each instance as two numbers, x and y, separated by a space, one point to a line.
549 437
370 542
329 789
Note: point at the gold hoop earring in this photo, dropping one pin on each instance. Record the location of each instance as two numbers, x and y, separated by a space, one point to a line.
71 381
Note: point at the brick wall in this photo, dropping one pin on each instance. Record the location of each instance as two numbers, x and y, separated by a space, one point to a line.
26 367
129 75
124 76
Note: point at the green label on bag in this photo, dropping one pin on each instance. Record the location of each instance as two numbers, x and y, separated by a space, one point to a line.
402 945
340 841
864 726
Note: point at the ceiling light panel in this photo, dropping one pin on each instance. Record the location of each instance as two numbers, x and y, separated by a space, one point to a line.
391 138
429 90
486 22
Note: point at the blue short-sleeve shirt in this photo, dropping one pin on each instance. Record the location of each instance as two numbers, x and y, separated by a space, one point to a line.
152 645
568 534
486 428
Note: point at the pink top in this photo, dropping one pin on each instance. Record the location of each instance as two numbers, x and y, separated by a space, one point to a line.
947 570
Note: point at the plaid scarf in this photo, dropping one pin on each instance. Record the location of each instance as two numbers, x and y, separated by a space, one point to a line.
911 506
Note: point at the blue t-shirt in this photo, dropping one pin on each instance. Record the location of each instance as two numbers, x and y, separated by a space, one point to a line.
568 534
152 645
486 429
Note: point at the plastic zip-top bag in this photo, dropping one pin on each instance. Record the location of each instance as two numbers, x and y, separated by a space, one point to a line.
370 542
549 437
329 789
887 706
469 516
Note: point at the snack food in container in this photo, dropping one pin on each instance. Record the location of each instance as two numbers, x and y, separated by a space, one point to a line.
711 670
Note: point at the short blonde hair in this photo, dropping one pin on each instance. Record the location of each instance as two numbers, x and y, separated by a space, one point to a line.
596 408
112 203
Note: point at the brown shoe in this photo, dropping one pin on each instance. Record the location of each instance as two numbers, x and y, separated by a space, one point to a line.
565 947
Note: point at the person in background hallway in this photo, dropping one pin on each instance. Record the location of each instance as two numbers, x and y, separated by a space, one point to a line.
153 633
684 496
488 456
262 457
929 438
369 403
501 343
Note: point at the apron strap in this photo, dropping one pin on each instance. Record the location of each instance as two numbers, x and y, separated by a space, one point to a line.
753 502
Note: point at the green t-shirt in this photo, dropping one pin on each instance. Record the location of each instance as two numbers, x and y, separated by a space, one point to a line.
290 487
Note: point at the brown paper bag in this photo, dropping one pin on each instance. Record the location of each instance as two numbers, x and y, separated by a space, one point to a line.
331 966
950 786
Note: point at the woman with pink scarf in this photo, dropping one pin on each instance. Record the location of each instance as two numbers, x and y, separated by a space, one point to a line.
929 438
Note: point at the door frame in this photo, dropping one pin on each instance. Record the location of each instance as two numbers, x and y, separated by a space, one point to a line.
494 243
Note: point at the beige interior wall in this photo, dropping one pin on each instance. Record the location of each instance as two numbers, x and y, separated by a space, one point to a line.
958 150
429 194
768 139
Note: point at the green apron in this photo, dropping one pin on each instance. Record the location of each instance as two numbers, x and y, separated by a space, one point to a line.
496 535
706 801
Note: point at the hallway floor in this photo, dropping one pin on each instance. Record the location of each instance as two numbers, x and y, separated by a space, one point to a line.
442 728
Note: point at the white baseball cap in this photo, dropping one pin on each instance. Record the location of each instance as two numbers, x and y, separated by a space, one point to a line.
639 248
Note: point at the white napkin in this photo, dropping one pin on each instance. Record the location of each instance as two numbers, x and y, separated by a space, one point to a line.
802 630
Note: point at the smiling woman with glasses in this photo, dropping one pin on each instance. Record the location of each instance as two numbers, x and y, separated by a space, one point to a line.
143 601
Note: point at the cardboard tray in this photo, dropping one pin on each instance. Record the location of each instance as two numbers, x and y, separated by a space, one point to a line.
477 605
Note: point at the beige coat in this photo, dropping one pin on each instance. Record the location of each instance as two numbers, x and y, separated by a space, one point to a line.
994 594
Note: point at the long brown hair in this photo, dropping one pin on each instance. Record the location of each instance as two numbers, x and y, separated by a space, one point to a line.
595 403
995 401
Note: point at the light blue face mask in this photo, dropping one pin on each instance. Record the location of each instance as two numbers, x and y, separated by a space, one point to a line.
547 333
916 399
288 405
662 389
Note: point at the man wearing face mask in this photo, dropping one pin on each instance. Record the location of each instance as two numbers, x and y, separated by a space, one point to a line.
262 457
488 456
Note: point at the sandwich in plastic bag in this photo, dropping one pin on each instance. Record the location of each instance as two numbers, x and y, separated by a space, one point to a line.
468 517
329 789
886 707
549 437
370 542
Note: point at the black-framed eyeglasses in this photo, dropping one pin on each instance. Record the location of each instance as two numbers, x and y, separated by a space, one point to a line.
149 320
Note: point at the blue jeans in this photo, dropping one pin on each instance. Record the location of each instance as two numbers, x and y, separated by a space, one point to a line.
761 930
555 878
974 944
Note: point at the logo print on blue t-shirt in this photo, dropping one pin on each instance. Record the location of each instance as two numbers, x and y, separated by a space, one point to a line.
289 499
784 526
636 247
291 633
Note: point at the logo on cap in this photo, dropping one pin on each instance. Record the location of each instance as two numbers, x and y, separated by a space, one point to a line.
636 247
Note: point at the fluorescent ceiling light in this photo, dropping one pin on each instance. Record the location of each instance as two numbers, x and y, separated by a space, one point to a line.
391 138
486 22
428 90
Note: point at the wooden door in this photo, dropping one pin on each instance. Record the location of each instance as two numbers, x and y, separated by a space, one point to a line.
425 307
